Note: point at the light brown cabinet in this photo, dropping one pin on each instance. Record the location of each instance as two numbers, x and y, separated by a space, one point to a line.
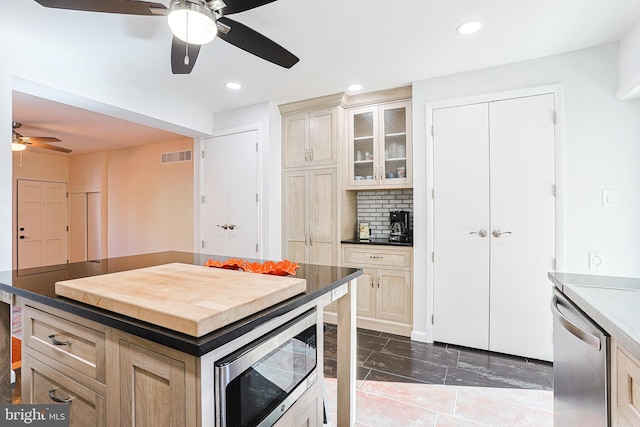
45 385
380 146
625 388
93 367
385 291
311 138
145 372
311 216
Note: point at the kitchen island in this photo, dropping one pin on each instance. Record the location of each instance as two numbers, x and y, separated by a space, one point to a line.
35 288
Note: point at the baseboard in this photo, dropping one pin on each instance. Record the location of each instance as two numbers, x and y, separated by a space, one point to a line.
419 336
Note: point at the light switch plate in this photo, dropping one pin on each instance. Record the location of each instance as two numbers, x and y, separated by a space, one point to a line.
609 198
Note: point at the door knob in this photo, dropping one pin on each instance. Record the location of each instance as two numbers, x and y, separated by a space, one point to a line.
232 226
498 233
225 226
481 233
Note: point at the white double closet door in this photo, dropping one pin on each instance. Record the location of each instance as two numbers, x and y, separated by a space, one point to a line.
494 173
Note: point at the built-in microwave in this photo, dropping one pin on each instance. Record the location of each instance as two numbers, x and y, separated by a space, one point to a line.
259 382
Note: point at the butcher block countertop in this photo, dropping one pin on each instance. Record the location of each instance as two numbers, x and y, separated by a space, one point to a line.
192 299
208 311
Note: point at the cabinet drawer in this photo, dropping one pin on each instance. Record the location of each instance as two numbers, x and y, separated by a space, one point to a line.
363 255
80 348
40 382
628 389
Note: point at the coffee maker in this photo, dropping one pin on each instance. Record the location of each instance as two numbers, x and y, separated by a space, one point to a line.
399 226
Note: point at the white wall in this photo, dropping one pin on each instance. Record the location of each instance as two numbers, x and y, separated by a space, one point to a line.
6 191
267 120
629 70
602 140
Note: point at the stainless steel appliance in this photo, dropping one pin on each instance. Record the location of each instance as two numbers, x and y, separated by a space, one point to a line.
580 367
399 226
259 382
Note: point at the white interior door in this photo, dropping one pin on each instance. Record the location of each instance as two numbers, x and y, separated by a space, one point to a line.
94 221
42 223
494 169
230 188
522 203
461 207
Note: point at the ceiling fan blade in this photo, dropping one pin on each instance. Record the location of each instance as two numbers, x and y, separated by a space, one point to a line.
48 147
178 54
127 7
236 6
253 42
37 139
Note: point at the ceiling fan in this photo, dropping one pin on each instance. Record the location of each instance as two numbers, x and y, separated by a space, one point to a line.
193 23
19 142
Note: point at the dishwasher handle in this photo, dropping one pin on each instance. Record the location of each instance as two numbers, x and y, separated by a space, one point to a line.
576 330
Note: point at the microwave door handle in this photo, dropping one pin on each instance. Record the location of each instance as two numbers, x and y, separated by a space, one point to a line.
576 330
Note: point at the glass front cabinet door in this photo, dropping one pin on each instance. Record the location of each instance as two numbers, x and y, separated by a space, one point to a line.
380 146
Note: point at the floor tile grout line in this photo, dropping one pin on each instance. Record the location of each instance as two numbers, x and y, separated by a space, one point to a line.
510 402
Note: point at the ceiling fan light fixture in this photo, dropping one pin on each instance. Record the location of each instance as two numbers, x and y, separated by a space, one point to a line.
192 22
16 146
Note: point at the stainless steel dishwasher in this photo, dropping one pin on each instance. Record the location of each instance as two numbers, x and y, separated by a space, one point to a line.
580 367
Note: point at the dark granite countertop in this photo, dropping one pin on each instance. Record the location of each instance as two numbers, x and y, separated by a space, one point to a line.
377 241
38 284
612 302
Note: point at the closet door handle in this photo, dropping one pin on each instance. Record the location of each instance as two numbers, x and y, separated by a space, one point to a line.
311 154
498 233
232 226
481 233
225 226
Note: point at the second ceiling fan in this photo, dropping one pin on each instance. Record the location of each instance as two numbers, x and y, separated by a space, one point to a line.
193 23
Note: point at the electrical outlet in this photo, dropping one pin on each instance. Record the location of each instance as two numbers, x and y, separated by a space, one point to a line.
596 261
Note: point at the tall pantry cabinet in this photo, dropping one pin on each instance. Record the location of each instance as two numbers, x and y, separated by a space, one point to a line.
494 224
311 180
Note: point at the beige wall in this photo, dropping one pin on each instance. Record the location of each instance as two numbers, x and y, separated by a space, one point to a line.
150 205
146 206
38 167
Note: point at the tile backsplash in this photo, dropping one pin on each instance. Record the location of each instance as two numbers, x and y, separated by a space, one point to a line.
374 207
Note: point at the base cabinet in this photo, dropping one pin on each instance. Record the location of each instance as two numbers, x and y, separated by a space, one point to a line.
625 388
305 412
45 385
147 372
385 290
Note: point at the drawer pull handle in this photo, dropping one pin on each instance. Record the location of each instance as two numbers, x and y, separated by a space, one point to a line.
52 396
376 256
54 341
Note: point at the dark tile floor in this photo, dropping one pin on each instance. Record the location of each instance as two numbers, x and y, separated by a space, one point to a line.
405 383
398 358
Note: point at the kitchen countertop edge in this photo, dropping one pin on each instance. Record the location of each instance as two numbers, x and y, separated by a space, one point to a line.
377 242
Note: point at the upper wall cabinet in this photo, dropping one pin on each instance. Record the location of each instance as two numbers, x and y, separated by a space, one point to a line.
380 146
311 138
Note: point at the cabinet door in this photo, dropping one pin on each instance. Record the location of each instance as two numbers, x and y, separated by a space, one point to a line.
395 148
296 140
366 296
41 383
394 297
461 207
522 203
145 373
323 216
323 137
363 134
296 215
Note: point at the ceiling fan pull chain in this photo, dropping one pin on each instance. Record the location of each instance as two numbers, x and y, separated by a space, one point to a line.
186 44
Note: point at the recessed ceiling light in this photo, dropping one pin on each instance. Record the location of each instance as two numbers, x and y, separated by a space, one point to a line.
354 87
233 85
469 27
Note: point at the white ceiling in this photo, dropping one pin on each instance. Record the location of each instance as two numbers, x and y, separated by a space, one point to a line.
380 44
